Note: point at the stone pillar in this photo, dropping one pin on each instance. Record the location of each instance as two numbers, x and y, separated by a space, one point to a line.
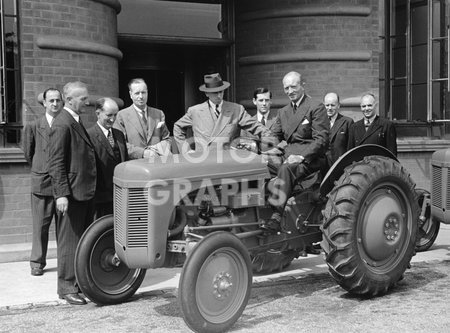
333 44
65 40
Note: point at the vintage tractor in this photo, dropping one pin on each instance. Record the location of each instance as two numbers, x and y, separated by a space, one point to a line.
435 206
203 211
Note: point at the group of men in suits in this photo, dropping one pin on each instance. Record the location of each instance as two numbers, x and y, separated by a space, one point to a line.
72 168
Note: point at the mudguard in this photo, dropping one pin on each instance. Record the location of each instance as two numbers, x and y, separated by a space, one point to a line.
353 155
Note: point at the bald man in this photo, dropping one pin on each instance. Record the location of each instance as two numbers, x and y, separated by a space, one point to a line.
110 149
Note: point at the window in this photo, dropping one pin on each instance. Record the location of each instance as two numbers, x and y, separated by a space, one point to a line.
10 84
417 73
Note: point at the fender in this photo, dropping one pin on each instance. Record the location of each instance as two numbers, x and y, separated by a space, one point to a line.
353 155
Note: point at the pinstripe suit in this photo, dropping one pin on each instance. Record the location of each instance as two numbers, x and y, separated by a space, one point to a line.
106 162
35 147
73 172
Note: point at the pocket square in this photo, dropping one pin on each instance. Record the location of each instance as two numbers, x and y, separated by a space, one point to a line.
305 122
160 124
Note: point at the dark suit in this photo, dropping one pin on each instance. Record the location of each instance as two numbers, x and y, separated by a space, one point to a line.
271 118
35 147
381 132
306 133
138 135
107 159
73 171
339 134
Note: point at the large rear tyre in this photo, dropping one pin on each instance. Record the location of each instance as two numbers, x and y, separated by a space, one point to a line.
428 229
370 226
100 276
215 283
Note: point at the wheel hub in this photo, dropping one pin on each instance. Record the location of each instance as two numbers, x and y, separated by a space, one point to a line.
391 228
222 285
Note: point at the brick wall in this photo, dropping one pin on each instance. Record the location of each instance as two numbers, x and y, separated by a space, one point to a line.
61 41
333 44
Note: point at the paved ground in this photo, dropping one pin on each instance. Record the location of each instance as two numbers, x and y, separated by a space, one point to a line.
18 289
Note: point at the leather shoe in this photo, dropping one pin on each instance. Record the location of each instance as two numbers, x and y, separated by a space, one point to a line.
74 299
36 271
312 250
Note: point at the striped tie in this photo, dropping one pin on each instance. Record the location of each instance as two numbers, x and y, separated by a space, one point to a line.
111 139
263 121
217 111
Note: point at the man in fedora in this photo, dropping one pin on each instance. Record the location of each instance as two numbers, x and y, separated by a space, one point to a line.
216 122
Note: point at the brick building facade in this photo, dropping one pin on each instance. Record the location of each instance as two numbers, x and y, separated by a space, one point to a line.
336 45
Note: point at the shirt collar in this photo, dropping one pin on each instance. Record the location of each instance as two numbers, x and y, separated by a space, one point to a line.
73 114
370 120
213 106
333 118
259 116
49 119
297 104
139 110
104 130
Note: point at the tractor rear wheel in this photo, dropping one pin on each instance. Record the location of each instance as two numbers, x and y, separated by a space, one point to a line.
370 226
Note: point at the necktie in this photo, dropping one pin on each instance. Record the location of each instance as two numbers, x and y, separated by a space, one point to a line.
263 121
294 107
111 139
366 125
331 121
144 117
217 111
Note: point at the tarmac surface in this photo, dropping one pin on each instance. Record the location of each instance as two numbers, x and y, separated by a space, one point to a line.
20 290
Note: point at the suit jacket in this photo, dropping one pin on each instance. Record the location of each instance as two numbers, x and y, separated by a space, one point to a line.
106 160
306 131
209 130
157 135
339 134
271 118
72 165
381 132
36 149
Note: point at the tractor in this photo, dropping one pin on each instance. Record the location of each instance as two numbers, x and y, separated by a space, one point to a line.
203 212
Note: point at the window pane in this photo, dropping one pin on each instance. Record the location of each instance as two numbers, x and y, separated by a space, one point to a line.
419 102
439 101
9 6
439 68
399 100
170 18
399 62
11 46
419 64
419 24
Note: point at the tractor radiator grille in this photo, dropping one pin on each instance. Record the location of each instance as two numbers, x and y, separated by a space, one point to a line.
131 216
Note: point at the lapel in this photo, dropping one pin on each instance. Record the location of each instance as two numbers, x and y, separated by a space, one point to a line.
296 119
101 138
75 126
271 118
222 121
335 129
151 123
372 128
43 129
135 120
120 143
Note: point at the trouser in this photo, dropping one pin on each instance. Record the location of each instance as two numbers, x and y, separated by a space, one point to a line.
43 211
70 229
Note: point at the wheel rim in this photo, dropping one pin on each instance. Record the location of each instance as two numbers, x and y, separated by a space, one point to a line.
221 285
426 232
106 275
385 219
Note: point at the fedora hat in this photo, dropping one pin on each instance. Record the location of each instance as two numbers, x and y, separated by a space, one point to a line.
213 83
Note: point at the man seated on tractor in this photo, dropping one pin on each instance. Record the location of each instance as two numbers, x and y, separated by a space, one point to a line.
305 128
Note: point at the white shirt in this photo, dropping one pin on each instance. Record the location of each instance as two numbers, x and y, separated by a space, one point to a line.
333 119
140 112
297 104
49 119
259 116
213 106
73 114
104 130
